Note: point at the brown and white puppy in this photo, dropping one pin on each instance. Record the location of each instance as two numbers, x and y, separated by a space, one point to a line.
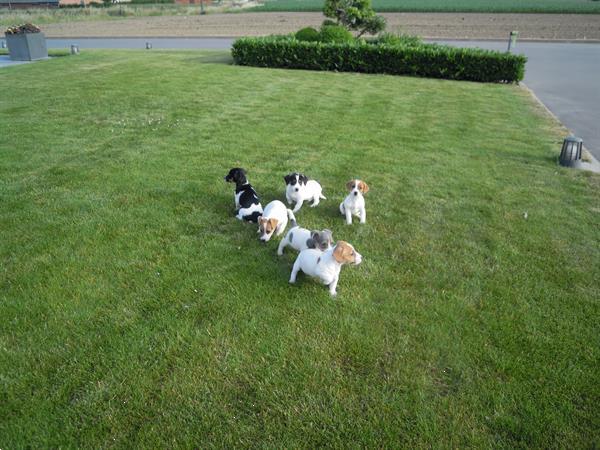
354 203
273 220
326 265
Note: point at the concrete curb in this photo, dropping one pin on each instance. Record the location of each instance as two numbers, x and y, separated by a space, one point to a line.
593 165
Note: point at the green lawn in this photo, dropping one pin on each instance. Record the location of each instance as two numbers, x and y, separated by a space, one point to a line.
136 311
486 6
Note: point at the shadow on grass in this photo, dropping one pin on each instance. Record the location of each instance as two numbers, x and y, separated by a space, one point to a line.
212 59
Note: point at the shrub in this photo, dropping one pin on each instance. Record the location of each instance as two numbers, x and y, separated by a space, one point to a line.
308 34
335 33
357 15
397 39
424 60
25 28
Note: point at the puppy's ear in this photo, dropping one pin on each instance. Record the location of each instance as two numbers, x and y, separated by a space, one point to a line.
237 174
315 235
338 252
303 178
272 223
343 252
287 179
364 187
349 185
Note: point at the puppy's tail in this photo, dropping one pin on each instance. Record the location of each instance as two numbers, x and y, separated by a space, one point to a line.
322 196
292 218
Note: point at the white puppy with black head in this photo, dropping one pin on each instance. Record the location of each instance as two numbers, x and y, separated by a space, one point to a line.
298 188
326 265
354 203
274 219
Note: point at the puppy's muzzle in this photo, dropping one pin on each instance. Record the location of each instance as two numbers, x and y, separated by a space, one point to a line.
296 189
355 192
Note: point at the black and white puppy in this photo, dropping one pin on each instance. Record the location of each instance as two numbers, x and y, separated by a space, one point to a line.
299 188
247 203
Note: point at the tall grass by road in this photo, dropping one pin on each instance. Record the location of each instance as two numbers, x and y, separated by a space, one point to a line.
115 12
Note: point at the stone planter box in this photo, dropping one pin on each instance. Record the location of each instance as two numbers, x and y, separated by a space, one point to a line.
26 46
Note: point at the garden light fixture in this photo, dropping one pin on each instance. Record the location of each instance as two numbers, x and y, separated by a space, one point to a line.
148 45
3 44
512 40
74 49
571 151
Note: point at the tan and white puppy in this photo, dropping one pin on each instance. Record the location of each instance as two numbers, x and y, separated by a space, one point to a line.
326 265
273 220
354 203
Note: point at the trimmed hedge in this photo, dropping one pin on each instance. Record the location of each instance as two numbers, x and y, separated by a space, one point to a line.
424 60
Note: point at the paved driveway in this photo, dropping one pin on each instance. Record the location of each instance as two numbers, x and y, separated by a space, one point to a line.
565 76
5 61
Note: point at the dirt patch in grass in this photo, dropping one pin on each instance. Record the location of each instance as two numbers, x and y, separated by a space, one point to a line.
428 25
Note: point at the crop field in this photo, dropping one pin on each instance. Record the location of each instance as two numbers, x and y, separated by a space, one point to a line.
483 6
137 312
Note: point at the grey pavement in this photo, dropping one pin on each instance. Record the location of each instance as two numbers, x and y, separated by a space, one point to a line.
564 76
140 43
5 61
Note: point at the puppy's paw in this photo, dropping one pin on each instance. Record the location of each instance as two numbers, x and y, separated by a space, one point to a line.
333 294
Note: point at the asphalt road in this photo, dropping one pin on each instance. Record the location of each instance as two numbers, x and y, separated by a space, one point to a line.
564 76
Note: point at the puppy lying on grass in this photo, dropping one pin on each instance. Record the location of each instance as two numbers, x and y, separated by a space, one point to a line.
273 220
326 265
300 238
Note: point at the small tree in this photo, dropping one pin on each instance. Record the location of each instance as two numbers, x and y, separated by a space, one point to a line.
356 15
